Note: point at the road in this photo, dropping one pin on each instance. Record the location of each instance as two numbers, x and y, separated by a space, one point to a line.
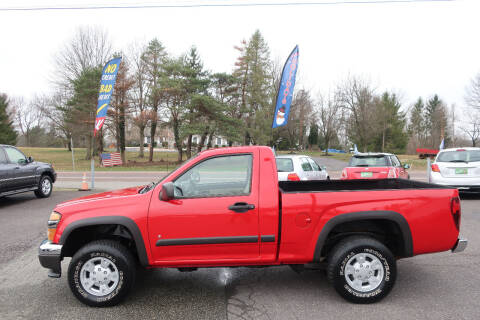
437 286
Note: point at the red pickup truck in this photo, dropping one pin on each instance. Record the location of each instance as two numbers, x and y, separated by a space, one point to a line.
225 207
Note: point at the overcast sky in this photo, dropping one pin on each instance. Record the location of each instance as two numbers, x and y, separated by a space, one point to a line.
415 49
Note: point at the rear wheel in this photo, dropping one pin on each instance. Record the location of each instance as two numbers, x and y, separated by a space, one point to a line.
361 269
45 187
101 273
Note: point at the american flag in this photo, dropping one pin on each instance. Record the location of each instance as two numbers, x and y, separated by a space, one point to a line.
111 159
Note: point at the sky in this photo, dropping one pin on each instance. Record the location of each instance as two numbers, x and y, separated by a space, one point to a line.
411 48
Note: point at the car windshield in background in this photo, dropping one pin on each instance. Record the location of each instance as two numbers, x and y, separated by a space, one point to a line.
284 165
459 156
368 161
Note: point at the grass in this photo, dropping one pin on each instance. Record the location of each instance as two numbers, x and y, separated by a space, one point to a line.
62 160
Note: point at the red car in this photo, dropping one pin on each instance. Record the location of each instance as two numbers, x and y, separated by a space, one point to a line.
226 208
375 166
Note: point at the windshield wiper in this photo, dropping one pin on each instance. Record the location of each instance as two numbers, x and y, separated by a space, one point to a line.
459 161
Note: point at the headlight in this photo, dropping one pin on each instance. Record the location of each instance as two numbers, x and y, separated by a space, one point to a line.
52 224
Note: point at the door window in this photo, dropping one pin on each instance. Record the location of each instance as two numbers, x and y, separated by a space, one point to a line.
216 177
305 164
3 158
395 161
15 156
314 165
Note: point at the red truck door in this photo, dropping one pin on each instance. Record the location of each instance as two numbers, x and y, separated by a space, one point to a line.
214 215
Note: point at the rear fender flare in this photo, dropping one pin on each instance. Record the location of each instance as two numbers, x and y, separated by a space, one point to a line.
119 220
393 216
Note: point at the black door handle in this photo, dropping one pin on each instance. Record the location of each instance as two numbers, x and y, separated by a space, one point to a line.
241 207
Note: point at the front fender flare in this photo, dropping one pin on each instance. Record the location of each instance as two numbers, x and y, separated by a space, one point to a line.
120 220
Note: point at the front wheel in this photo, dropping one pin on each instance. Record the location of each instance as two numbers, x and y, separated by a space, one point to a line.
101 273
45 187
361 269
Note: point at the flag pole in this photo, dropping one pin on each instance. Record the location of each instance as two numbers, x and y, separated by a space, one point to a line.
92 163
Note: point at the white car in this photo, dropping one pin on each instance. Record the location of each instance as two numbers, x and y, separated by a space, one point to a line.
457 167
299 167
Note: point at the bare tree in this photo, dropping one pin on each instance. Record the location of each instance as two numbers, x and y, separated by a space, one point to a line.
28 116
90 47
472 127
357 97
328 113
140 92
472 97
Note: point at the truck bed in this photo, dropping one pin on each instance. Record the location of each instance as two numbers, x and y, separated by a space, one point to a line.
354 185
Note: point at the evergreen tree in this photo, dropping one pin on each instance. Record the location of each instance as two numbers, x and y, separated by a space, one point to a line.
417 124
253 72
313 135
154 58
7 133
393 137
436 121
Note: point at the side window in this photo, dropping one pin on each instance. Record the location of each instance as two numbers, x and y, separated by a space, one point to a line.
395 161
216 177
3 157
15 155
305 164
314 165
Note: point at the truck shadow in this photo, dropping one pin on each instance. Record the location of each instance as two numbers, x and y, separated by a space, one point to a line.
469 196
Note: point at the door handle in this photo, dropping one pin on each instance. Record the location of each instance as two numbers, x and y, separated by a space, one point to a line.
241 207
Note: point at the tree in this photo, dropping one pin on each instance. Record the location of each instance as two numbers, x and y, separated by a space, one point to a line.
120 105
417 125
436 121
28 116
472 97
357 98
154 58
139 93
392 137
329 120
7 132
313 135
89 48
253 73
83 107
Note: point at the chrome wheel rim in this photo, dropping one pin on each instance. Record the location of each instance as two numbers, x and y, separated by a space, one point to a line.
46 186
364 272
99 276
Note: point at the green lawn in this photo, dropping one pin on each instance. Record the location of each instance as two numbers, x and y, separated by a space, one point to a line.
62 160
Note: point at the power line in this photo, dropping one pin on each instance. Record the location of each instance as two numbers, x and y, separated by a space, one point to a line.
217 5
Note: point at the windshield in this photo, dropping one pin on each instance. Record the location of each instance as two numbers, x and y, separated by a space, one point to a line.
153 184
368 161
459 156
284 165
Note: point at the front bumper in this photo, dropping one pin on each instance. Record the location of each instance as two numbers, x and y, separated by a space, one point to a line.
50 257
460 245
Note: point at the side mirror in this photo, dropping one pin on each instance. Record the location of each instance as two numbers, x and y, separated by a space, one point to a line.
29 160
406 166
167 192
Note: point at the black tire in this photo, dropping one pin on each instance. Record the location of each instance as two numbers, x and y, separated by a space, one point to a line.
345 253
40 192
121 258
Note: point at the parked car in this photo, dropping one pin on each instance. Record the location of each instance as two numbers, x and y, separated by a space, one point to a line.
299 167
457 167
226 208
375 166
19 173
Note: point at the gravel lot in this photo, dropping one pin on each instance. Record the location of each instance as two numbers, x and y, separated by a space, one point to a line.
437 286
